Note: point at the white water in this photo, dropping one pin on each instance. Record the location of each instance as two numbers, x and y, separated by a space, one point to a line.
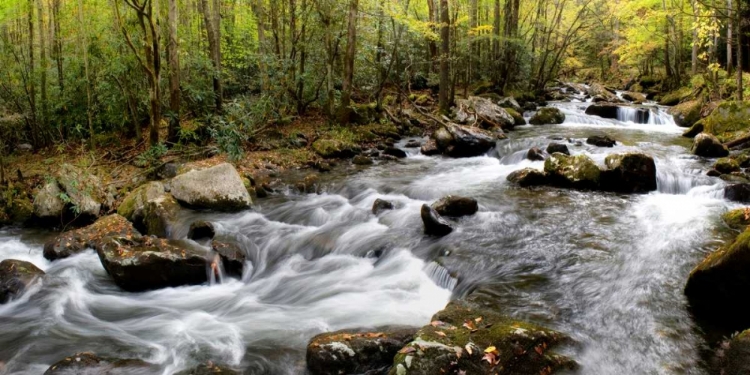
604 268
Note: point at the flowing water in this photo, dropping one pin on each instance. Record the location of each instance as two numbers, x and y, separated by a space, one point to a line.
606 269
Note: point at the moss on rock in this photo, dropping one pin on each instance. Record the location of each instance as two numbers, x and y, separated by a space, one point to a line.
726 165
687 114
517 118
577 171
728 120
738 219
547 116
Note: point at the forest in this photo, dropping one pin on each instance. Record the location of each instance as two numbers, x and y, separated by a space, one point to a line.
381 187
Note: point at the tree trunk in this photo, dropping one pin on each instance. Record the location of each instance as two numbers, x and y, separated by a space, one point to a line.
212 19
83 42
694 55
445 82
58 43
738 30
473 10
174 73
432 10
31 81
260 20
351 47
729 36
42 67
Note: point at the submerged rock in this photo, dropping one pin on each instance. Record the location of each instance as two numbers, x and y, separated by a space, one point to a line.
547 116
629 173
468 338
707 145
231 255
395 152
578 171
601 141
535 154
146 263
434 225
75 241
455 206
217 188
381 205
90 363
557 147
528 177
200 230
355 352
604 110
461 141
717 288
15 277
430 148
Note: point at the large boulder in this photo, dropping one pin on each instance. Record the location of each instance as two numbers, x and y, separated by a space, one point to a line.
707 145
463 141
71 194
578 171
557 147
218 188
484 112
15 277
517 117
146 263
75 241
90 364
528 177
728 120
434 224
738 192
132 206
598 91
547 116
159 216
717 288
738 219
687 114
629 173
455 206
47 202
472 339
603 110
356 352
510 102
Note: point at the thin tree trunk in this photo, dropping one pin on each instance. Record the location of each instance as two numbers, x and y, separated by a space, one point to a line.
58 43
740 85
432 46
42 67
351 47
174 73
445 82
729 36
84 45
210 19
694 55
31 82
260 20
473 13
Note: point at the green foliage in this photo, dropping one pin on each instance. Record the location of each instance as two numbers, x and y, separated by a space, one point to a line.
151 157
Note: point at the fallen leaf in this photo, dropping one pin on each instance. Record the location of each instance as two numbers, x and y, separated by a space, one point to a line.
407 349
470 325
490 349
468 349
478 320
440 333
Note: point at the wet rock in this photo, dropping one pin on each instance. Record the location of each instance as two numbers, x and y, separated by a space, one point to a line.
15 277
713 173
528 177
430 148
738 219
362 160
517 118
381 205
395 152
636 97
601 141
737 193
736 178
726 165
217 188
604 110
455 206
209 368
707 145
355 352
535 154
413 144
132 206
694 130
547 116
231 255
169 170
90 364
201 230
482 111
733 356
465 337
310 184
510 103
74 241
460 141
717 288
557 147
159 215
434 224
529 106
687 114
578 171
597 90
146 263
629 173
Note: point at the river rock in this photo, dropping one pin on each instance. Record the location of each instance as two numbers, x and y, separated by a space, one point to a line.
335 148
146 263
578 171
434 224
687 114
737 192
535 154
356 352
694 130
430 148
729 118
738 219
159 215
15 277
726 165
413 143
603 110
635 97
461 141
455 206
381 205
717 288
362 160
74 241
395 152
132 206
209 368
231 255
83 189
547 116
510 102
629 173
601 141
200 230
557 147
600 93
218 188
47 202
91 364
482 111
707 145
733 356
472 339
528 177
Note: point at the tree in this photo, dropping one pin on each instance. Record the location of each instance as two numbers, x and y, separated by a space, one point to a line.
174 73
445 81
351 48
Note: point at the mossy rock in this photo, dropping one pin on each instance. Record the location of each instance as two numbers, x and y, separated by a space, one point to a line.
131 207
675 97
517 118
726 165
483 88
15 277
728 120
738 219
335 148
547 116
733 357
364 113
21 210
464 335
75 241
159 216
694 130
90 363
577 171
687 114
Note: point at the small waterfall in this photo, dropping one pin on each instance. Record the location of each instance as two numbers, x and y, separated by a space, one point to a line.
633 115
215 270
440 275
